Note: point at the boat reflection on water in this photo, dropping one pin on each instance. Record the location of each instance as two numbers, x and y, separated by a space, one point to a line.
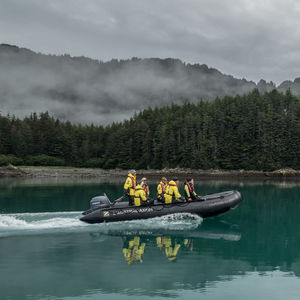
133 250
170 243
170 247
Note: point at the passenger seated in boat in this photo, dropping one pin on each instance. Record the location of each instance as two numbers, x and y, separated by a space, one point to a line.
129 186
140 198
189 190
161 190
172 195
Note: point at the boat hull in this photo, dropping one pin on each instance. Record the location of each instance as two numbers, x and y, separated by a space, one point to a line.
210 205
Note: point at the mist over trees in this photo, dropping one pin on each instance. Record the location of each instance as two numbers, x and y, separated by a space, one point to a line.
87 91
251 132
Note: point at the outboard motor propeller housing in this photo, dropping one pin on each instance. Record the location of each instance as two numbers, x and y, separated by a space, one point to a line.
99 202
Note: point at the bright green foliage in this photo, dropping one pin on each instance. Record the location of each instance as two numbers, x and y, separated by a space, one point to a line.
251 132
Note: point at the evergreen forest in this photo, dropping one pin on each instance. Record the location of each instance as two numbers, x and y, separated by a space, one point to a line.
250 132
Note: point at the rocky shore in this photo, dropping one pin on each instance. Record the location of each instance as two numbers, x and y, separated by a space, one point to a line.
11 171
40 172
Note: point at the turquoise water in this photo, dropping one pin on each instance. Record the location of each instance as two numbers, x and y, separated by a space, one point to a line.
47 253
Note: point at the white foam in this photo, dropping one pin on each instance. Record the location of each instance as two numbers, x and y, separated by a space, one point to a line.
9 221
46 213
36 223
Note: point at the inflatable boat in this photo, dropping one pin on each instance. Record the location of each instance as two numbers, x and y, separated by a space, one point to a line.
102 210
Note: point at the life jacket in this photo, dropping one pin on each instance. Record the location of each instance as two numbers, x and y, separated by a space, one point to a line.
191 187
132 180
163 188
161 191
172 183
128 186
189 191
146 189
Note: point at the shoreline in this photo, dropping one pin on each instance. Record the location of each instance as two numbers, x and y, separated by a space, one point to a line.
65 172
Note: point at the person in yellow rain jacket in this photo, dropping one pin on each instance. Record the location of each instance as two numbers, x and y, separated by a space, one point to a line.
134 250
140 198
189 190
165 244
162 189
172 195
129 186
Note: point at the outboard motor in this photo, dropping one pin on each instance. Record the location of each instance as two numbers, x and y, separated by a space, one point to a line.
99 202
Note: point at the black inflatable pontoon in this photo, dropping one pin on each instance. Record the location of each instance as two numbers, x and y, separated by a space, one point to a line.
210 205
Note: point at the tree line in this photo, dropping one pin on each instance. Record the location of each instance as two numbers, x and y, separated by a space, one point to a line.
251 132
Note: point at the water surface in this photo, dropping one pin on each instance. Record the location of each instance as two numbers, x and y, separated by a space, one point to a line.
47 253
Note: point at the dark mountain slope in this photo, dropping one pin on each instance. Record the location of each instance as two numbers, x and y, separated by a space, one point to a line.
85 90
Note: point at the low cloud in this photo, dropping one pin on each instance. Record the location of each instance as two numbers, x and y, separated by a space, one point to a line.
84 90
252 39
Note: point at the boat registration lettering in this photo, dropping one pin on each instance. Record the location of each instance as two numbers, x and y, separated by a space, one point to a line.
132 211
146 209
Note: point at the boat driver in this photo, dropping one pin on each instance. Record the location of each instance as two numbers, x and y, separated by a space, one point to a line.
129 186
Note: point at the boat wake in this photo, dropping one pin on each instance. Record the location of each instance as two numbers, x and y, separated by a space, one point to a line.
37 223
64 222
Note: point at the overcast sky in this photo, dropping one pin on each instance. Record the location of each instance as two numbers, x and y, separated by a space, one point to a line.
253 39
